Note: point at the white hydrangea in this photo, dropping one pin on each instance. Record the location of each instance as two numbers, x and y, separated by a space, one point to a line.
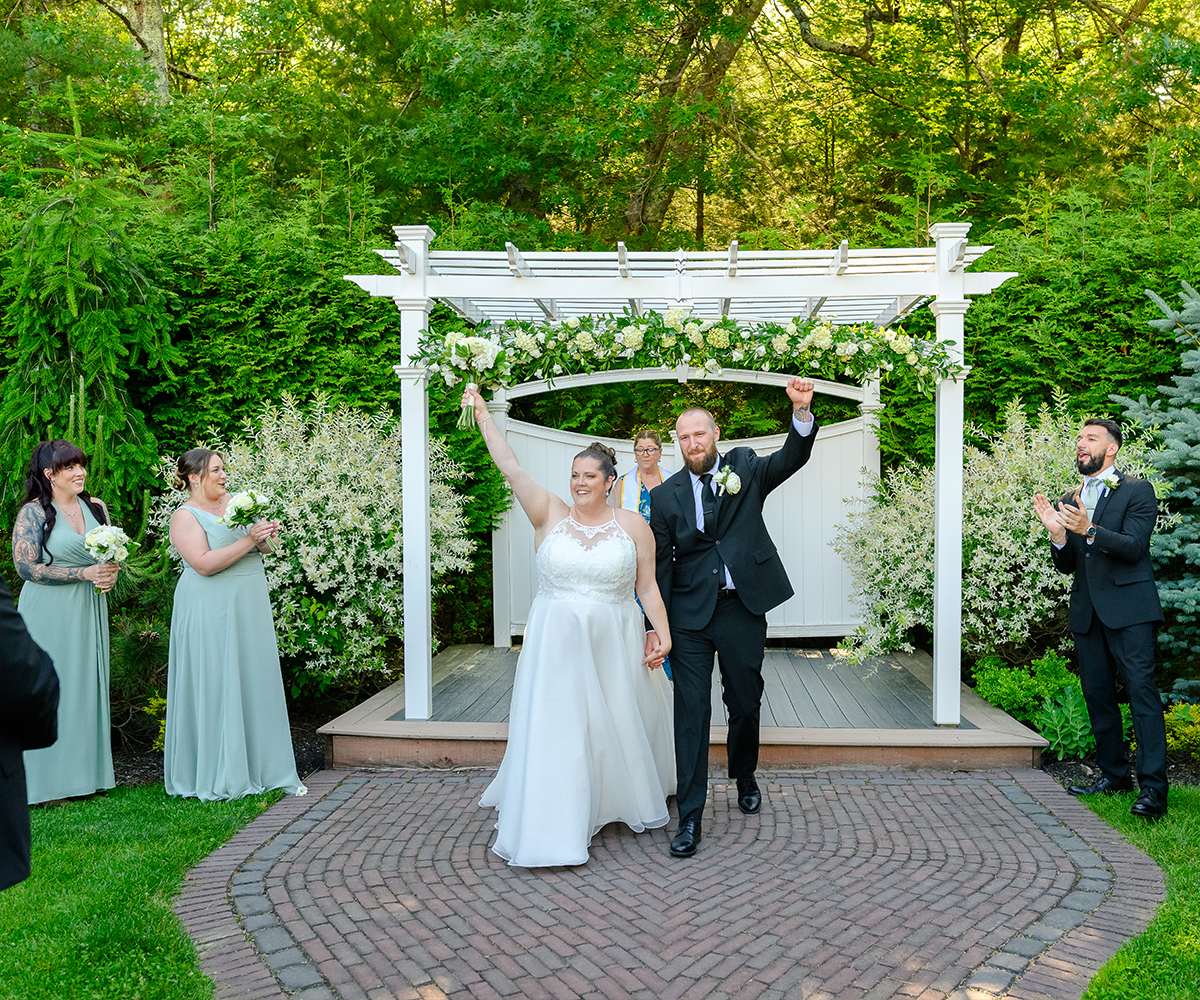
718 338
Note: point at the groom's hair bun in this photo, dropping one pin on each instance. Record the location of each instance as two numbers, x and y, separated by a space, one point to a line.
604 455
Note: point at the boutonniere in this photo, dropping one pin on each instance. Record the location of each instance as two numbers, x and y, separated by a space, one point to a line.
727 479
1112 481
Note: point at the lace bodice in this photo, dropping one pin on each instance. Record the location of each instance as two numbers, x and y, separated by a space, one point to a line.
579 562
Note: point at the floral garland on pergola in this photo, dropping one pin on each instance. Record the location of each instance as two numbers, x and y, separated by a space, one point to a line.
519 351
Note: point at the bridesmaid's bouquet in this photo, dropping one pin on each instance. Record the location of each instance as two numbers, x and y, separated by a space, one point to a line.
108 543
243 509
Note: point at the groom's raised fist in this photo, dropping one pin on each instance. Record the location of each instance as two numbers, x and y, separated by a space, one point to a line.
800 392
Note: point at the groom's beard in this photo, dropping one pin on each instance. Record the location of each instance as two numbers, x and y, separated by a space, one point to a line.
1091 465
701 465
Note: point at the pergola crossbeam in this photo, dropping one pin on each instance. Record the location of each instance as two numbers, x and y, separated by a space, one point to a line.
841 259
900 306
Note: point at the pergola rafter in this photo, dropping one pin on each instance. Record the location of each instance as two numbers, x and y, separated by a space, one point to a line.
846 286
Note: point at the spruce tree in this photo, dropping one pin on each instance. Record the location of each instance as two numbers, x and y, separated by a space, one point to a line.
1175 551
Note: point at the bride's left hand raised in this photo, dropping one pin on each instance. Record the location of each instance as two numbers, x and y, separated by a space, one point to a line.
471 397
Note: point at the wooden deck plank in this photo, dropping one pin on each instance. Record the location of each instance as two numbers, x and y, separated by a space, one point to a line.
470 691
907 690
791 669
781 711
824 701
884 712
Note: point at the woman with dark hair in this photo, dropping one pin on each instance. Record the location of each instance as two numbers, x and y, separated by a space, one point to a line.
590 738
65 608
227 731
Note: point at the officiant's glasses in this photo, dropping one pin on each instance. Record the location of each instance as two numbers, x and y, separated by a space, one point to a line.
645 451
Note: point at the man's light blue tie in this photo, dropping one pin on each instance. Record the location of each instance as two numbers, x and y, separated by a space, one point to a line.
1091 495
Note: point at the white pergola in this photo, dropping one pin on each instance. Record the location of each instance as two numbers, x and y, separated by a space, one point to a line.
842 286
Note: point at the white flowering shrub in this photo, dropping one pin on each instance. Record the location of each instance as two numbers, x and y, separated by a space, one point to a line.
1014 600
332 478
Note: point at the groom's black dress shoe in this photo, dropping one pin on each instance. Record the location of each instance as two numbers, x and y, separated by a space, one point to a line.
749 797
1102 786
1149 804
687 839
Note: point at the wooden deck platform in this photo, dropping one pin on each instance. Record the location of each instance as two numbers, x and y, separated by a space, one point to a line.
818 710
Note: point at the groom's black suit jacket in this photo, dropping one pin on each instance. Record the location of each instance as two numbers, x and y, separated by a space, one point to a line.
28 720
687 557
1113 576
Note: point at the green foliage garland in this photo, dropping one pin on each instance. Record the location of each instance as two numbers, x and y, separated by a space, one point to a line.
522 351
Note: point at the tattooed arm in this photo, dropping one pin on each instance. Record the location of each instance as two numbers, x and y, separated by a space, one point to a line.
27 552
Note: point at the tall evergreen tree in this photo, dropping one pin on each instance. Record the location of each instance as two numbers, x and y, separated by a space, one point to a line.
1176 551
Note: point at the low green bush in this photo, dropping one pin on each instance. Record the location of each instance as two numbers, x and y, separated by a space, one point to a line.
1064 722
1183 734
1020 691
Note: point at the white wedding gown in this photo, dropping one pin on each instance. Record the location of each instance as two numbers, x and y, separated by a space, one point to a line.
590 736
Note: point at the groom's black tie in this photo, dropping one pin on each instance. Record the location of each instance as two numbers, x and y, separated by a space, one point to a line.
708 501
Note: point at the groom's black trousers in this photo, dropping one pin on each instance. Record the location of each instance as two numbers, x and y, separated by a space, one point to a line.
737 637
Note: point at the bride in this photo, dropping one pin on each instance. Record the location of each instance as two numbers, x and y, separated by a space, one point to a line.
590 738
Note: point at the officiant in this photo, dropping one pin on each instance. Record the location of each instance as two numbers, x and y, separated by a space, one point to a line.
632 490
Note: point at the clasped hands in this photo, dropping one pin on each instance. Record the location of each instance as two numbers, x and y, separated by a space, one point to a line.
656 651
103 575
1063 517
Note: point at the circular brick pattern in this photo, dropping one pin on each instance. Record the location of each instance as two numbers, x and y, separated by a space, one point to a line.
848 884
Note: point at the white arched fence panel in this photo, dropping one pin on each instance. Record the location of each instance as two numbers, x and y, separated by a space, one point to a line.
801 515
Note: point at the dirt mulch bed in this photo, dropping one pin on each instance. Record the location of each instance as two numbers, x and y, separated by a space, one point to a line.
139 765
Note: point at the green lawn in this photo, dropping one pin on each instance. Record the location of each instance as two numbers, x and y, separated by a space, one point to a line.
1162 963
95 918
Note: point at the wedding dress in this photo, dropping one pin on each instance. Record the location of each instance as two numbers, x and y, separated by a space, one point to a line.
590 737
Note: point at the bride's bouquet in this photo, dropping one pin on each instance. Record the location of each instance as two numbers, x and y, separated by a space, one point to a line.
483 361
108 543
244 509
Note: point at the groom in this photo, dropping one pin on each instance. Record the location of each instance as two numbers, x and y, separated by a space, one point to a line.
719 575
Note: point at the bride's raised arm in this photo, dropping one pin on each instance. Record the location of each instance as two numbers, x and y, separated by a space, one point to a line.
537 501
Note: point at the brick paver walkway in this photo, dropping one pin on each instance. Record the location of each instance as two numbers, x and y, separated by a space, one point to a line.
849 884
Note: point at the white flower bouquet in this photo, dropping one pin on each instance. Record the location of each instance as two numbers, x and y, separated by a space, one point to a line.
244 509
108 543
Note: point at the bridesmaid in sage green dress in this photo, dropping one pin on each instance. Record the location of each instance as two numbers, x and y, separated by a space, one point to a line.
227 731
68 618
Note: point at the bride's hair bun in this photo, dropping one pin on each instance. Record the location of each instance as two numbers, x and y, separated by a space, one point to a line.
604 455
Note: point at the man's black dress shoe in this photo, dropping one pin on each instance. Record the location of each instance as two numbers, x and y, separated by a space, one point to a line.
1102 786
1149 804
749 797
687 839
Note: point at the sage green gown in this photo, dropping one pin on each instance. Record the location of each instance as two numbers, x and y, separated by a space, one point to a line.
70 622
227 729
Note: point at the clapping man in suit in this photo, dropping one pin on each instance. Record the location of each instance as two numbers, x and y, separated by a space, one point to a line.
1101 533
719 574
28 720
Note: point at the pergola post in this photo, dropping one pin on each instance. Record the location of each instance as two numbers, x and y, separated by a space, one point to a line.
413 243
948 308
